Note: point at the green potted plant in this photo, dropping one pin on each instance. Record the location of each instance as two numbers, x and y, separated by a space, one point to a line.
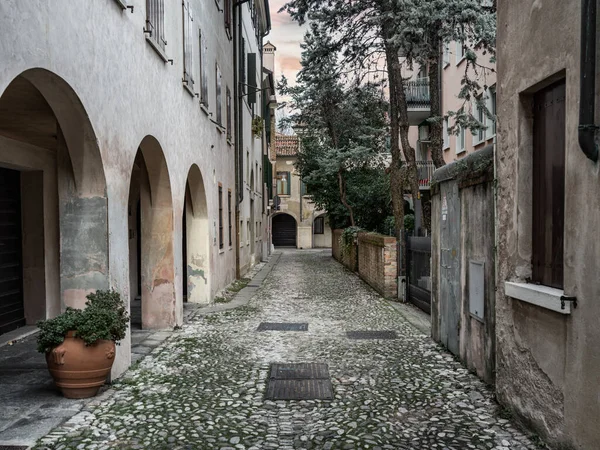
258 125
79 344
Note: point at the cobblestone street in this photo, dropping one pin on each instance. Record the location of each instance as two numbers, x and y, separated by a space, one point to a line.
204 387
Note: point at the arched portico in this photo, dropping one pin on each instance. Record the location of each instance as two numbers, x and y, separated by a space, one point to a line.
55 189
151 261
196 245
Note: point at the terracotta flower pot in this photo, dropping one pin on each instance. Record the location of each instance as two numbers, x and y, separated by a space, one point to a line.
79 370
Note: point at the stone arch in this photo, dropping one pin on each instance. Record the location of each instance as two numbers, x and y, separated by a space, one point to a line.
284 228
196 244
49 149
151 260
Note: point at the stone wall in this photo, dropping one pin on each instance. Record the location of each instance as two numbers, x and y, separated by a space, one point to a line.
377 262
349 257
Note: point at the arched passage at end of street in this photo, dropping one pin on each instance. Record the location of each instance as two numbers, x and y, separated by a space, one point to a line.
285 230
53 189
196 240
151 262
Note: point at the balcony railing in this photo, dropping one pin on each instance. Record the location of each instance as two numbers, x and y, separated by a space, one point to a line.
425 171
417 93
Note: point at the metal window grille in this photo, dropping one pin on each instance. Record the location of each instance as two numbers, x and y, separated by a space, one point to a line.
220 216
155 22
188 59
218 95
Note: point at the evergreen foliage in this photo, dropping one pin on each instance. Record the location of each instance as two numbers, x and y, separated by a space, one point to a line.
104 318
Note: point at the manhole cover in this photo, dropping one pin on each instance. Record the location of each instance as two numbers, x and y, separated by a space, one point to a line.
299 371
371 335
306 381
272 326
253 285
13 447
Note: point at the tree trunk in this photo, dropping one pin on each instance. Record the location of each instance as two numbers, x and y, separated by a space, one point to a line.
436 128
342 186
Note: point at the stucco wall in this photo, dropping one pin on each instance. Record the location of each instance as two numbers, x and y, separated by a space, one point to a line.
128 92
548 363
475 239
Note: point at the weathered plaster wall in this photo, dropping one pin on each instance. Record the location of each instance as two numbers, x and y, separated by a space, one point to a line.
547 363
127 93
475 241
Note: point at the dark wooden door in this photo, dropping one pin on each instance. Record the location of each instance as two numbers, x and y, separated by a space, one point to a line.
284 231
549 185
12 313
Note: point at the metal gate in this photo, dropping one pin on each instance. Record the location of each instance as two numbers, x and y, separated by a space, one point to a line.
450 266
12 314
418 271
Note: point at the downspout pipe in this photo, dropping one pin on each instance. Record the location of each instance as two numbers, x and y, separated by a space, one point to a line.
587 81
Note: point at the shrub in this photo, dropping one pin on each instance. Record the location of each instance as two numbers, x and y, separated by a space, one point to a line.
104 318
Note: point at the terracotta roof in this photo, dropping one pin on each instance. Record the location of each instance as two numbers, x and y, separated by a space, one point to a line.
286 145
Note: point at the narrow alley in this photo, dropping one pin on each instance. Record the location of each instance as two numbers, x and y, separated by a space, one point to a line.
205 386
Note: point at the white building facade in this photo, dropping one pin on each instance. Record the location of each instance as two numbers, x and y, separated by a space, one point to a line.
117 149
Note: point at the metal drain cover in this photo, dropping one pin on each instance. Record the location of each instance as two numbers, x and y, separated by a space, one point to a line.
371 335
273 326
308 381
13 447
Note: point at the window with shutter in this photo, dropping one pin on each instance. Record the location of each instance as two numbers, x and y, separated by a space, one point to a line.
252 85
243 65
228 18
548 182
218 95
155 22
228 106
230 223
490 132
220 216
203 71
188 61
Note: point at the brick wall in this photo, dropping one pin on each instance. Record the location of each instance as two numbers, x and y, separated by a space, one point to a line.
347 258
377 263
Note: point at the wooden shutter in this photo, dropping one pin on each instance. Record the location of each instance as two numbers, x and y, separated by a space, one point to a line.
288 185
220 216
548 206
203 71
218 95
243 65
228 101
188 63
252 84
228 17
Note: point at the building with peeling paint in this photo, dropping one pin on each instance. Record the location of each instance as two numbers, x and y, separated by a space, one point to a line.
117 156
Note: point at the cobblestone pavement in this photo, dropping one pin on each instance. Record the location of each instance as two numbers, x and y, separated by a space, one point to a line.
204 387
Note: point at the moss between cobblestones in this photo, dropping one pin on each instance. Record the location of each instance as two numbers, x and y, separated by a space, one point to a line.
204 388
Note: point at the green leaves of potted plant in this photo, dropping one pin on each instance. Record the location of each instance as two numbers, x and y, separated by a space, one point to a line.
80 343
258 125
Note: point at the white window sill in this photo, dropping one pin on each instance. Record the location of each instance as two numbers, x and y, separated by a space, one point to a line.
542 296
157 49
446 148
122 3
461 60
459 151
204 108
190 90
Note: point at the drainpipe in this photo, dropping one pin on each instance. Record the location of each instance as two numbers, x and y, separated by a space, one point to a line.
237 17
587 81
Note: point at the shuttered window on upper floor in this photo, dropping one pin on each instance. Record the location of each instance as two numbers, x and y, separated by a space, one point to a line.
218 104
188 46
155 22
228 21
203 70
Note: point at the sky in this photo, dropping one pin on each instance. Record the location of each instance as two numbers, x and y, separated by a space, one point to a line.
286 35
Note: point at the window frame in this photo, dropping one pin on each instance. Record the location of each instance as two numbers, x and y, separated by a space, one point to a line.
288 187
479 135
490 131
460 52
218 96
155 27
228 113
321 228
461 140
445 135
